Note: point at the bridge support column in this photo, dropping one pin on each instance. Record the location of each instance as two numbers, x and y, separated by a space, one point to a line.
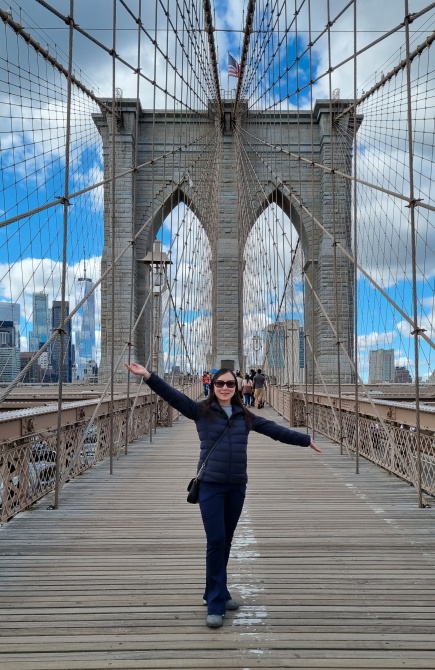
118 210
335 270
228 289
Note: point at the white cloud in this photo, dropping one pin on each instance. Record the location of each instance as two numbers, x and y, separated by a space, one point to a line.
376 340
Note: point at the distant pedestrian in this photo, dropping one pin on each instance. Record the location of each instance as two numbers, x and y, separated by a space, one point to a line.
259 388
205 382
247 391
251 377
239 383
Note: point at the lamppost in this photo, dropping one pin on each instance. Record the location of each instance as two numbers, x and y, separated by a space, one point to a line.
256 345
156 261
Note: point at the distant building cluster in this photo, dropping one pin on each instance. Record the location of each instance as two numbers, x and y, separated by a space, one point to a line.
382 369
402 375
78 361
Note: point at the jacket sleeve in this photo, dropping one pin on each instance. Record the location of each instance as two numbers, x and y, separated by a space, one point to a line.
280 433
188 407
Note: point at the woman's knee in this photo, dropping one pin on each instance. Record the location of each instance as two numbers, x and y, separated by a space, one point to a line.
215 541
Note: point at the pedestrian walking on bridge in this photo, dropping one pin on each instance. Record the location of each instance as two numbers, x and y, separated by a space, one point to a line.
260 387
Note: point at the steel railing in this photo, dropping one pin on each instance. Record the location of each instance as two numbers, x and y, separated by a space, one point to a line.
387 434
29 439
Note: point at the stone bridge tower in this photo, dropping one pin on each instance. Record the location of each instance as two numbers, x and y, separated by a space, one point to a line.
163 186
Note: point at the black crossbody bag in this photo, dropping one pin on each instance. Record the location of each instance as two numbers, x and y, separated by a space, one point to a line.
193 485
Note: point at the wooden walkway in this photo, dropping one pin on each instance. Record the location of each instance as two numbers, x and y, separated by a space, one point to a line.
334 570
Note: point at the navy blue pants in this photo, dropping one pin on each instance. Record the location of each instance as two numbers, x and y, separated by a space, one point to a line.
221 506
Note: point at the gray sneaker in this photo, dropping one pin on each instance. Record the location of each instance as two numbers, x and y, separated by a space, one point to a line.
232 605
214 620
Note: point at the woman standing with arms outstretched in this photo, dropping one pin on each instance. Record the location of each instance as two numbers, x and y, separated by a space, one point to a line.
221 416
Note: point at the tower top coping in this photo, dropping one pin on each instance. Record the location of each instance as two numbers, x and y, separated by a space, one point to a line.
322 106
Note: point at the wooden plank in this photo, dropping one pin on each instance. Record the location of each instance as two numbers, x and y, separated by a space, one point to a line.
68 663
333 569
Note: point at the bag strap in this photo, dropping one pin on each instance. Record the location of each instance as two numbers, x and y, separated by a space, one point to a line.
210 452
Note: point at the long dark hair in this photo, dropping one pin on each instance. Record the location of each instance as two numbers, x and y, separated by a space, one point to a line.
235 400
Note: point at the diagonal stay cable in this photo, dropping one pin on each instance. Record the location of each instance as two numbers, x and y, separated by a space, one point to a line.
247 37
212 47
390 75
112 53
314 164
298 200
349 358
75 194
6 18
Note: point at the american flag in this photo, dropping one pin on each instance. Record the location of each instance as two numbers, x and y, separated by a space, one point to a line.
233 66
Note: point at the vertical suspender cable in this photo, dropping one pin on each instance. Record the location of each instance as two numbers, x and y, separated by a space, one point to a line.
296 14
286 307
133 222
164 274
355 239
334 233
154 299
416 330
112 233
64 254
172 312
311 260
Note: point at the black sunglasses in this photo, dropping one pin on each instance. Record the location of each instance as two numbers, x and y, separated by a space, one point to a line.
220 384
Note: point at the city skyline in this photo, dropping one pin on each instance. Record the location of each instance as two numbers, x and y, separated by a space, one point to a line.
81 355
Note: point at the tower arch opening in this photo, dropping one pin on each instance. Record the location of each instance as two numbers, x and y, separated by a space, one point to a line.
273 295
179 285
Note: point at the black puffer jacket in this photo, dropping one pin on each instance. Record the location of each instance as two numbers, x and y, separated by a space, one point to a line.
227 464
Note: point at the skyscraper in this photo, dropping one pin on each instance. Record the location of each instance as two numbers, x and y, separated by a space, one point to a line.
381 366
9 341
10 311
41 326
85 333
57 365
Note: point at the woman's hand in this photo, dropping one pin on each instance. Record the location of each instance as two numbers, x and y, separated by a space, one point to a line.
314 446
137 369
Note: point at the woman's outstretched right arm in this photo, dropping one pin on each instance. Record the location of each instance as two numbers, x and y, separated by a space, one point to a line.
181 402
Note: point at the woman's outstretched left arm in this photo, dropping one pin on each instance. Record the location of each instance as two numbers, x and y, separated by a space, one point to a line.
283 434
